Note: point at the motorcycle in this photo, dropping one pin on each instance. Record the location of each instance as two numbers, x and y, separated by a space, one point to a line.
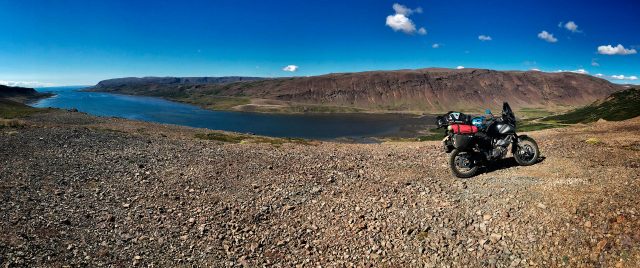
472 146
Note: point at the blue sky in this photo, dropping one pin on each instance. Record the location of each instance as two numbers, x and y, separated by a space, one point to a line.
68 42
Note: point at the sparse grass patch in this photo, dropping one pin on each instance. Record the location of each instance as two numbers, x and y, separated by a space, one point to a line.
11 109
216 136
593 141
423 235
435 134
524 126
12 123
243 138
214 102
300 108
532 113
103 129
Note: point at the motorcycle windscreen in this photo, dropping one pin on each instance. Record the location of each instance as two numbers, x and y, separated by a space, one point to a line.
507 114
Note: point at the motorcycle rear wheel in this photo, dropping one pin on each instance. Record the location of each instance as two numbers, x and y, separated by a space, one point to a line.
462 164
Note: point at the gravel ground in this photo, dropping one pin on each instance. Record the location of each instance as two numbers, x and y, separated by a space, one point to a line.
83 191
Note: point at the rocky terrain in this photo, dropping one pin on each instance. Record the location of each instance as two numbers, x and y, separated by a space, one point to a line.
78 190
422 90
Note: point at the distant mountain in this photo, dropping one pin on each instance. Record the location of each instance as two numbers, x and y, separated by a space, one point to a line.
20 94
122 83
7 91
425 90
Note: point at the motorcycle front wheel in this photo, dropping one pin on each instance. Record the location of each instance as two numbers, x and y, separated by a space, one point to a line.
526 152
463 164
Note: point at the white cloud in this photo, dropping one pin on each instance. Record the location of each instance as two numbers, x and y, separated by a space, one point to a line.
290 68
617 77
400 21
460 67
400 9
579 71
571 26
617 50
594 63
622 77
25 83
483 37
544 35
535 69
436 45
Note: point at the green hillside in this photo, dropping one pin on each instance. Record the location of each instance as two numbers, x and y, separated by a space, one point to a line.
619 106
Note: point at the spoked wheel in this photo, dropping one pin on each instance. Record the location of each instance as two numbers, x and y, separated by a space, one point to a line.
526 152
463 164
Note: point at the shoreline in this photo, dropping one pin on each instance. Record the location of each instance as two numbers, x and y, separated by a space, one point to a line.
328 109
405 126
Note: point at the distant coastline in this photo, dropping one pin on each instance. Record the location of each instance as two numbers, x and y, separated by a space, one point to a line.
420 91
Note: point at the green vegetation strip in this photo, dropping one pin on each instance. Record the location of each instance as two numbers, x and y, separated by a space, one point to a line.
213 102
525 125
532 113
619 106
11 109
243 138
435 134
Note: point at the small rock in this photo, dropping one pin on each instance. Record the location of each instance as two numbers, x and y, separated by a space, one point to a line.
316 190
495 238
483 226
542 206
587 224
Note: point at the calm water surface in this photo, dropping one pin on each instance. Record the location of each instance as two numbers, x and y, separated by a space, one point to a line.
150 109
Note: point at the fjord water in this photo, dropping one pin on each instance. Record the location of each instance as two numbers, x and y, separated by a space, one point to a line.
316 126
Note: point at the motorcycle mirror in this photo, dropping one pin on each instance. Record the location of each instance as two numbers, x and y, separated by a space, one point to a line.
487 111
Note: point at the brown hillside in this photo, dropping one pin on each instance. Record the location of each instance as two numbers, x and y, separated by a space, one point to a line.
404 90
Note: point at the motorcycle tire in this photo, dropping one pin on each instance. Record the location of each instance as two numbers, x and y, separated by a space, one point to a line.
526 152
454 164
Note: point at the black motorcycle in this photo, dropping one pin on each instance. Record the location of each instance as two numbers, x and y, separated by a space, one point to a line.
471 151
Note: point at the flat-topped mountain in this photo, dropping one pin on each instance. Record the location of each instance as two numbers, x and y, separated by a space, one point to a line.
146 81
8 91
427 90
20 94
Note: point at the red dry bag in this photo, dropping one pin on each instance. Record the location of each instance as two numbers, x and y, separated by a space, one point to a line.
463 129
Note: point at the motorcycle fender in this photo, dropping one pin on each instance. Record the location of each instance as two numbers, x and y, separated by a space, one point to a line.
515 142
